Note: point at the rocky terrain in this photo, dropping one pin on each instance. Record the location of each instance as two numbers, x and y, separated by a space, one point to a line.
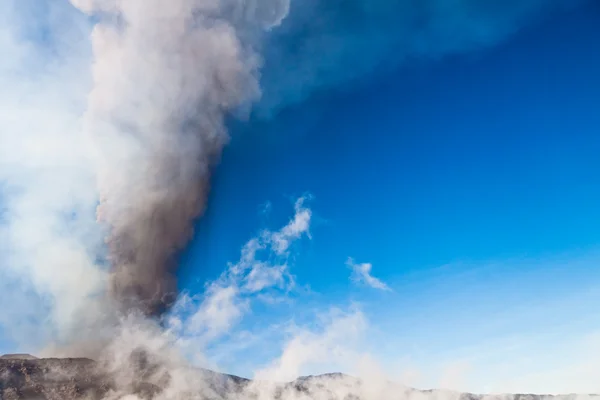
25 377
30 378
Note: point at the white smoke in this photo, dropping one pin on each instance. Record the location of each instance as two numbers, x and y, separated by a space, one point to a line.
155 86
165 75
48 235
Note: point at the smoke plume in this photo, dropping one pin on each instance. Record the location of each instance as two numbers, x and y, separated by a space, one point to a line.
167 73
164 76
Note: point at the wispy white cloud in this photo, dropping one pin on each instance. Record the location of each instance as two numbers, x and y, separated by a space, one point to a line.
298 226
261 274
361 273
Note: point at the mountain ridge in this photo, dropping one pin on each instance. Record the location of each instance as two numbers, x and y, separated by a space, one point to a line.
31 378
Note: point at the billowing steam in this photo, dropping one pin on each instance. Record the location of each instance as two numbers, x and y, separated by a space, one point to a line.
165 75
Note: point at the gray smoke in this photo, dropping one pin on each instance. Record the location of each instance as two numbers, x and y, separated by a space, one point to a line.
165 75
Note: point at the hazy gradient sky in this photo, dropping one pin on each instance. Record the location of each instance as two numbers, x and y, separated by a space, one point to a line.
454 203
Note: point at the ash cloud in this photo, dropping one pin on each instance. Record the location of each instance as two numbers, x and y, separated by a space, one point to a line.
164 78
154 90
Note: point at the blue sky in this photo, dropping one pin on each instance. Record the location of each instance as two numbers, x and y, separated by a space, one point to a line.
468 183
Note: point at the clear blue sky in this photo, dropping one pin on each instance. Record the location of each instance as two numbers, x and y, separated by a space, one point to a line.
469 183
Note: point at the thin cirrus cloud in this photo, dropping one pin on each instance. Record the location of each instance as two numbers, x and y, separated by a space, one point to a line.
361 274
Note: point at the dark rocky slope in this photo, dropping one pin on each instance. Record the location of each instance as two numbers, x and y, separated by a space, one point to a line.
51 378
25 377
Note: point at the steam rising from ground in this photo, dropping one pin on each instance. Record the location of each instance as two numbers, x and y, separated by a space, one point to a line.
154 90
